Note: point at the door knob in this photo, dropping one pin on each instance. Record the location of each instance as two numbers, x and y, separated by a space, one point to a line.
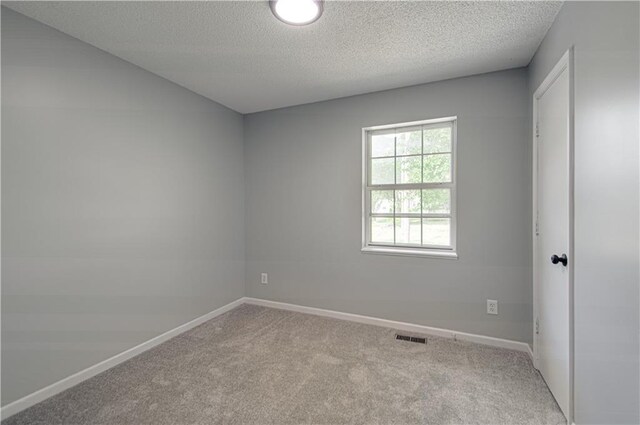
562 259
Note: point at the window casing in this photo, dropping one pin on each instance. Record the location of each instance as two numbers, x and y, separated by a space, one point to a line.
409 188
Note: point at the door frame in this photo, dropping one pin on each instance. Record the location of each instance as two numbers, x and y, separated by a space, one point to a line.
566 62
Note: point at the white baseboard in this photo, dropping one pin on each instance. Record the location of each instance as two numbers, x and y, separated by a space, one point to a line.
68 382
403 326
530 352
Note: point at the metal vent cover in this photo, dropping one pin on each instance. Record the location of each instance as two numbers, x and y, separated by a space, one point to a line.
411 338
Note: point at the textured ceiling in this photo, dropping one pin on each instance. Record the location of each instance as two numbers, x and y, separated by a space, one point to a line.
240 55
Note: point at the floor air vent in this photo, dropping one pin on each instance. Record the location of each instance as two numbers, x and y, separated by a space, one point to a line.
411 339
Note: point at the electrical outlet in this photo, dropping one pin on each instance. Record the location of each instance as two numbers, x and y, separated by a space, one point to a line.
264 278
492 307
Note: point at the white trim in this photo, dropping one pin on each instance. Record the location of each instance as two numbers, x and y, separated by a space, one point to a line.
72 380
403 326
566 62
411 123
419 252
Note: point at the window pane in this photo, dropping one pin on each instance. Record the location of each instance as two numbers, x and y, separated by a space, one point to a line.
437 139
382 201
437 168
408 169
408 230
382 145
382 171
407 201
382 229
409 141
436 231
410 185
436 201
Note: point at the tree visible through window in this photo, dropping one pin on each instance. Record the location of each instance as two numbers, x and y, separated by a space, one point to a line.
409 188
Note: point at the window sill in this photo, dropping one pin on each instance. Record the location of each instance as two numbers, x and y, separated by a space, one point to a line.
409 252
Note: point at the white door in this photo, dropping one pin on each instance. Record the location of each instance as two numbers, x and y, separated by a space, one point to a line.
553 236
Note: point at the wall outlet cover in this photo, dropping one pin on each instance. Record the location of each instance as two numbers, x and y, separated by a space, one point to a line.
492 307
264 278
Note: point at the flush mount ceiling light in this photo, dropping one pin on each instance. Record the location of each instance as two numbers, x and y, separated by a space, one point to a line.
297 12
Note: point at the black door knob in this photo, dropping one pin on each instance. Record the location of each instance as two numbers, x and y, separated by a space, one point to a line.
562 259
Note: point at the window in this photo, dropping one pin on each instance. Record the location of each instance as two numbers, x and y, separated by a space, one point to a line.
409 189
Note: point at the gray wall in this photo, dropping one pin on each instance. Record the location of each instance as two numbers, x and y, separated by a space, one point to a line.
606 39
303 217
122 205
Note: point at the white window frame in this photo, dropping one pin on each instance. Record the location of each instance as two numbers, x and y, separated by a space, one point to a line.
448 252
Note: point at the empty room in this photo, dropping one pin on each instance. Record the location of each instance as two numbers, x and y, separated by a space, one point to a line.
320 212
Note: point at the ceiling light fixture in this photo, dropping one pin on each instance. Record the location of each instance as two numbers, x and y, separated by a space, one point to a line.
297 12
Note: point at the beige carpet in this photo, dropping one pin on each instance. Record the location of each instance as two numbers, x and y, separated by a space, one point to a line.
256 365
